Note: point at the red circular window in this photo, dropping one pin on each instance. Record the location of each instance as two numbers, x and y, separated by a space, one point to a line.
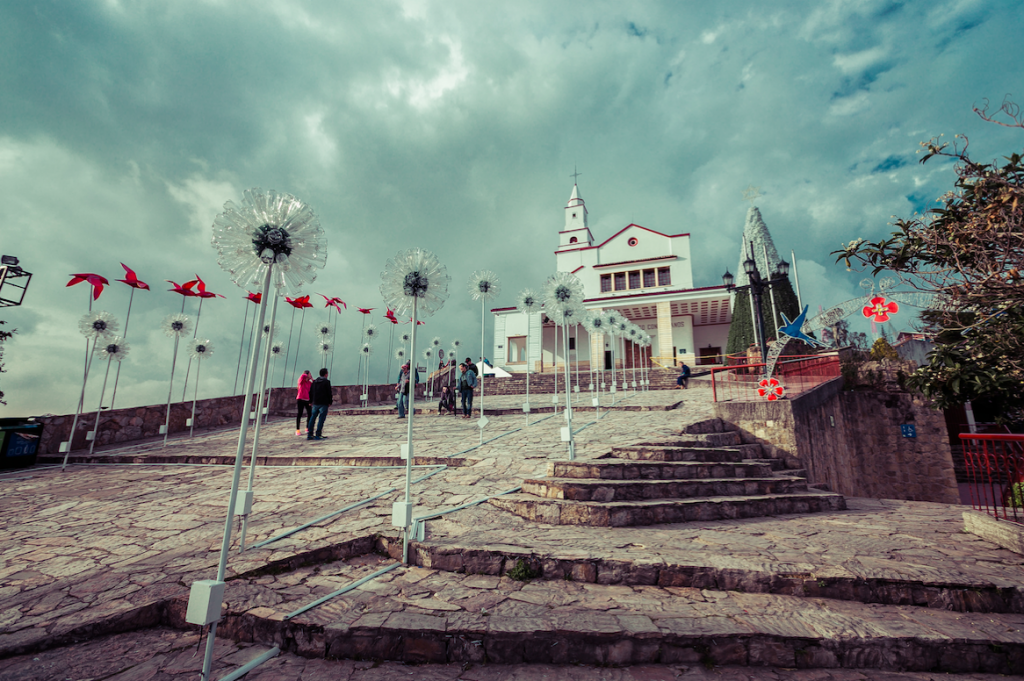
632 241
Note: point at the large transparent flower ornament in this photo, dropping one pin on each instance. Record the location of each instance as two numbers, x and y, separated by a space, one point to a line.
270 228
176 325
415 274
484 285
528 301
404 337
276 348
201 348
98 325
563 290
114 349
268 329
324 330
325 346
451 354
594 323
400 354
568 315
455 344
370 333
611 318
435 342
428 354
366 350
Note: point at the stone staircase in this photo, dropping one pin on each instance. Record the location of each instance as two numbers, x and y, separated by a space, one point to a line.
661 379
710 476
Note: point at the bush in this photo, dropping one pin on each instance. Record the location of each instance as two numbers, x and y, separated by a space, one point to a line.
882 350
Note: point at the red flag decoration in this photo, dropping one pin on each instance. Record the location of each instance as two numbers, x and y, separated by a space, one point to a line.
96 281
131 279
202 292
299 303
880 310
254 297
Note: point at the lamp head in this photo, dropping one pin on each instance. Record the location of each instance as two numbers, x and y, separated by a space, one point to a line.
728 280
784 268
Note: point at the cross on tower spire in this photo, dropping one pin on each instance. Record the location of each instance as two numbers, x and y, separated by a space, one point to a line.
574 174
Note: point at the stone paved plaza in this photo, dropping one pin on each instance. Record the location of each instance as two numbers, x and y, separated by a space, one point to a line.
96 562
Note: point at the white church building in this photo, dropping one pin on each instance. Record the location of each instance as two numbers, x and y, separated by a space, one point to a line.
645 276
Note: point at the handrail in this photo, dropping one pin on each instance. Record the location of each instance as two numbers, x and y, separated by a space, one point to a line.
995 472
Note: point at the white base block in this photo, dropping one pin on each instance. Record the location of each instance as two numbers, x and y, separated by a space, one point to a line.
612 389
266 410
401 514
554 399
364 397
204 600
575 388
526 407
566 434
64 446
243 502
591 388
482 422
90 436
163 430
404 454
596 401
188 423
634 385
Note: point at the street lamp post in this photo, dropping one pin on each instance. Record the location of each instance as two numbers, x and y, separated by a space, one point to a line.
757 286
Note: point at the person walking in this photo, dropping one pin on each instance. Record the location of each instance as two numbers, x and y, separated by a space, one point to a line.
467 381
321 396
302 400
683 380
402 388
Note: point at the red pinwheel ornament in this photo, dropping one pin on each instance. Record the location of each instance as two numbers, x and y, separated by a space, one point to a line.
366 310
131 279
771 389
333 302
254 297
390 315
299 303
96 281
202 292
184 289
880 310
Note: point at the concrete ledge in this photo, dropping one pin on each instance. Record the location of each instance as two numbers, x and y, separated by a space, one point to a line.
1005 533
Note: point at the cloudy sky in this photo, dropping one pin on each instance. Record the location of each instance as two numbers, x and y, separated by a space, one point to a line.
454 125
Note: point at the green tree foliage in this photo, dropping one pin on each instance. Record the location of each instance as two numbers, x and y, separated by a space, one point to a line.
741 331
881 349
968 253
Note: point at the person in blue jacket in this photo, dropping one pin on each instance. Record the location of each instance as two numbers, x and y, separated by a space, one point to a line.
402 388
467 381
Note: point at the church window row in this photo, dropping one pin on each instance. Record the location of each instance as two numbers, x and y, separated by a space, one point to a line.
636 279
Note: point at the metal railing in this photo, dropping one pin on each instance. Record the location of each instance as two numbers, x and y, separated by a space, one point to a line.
995 474
742 382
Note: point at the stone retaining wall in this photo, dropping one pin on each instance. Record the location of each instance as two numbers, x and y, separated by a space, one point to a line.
851 441
136 423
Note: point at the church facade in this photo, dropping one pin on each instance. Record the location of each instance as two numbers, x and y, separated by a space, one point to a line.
642 274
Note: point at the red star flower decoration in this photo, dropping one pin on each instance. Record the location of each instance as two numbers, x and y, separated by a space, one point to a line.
131 279
771 389
880 310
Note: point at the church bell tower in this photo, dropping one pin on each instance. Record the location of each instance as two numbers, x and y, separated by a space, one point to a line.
576 233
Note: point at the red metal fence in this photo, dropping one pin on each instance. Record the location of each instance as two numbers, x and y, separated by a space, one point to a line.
995 474
746 382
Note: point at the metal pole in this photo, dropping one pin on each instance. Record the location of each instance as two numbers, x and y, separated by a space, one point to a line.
568 394
117 374
170 389
99 408
195 395
554 363
237 474
298 343
528 367
408 432
287 350
755 290
241 344
81 404
771 293
483 364
248 351
259 416
576 337
195 334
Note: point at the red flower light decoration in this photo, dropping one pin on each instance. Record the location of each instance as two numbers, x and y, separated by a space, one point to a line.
96 281
131 279
880 310
771 389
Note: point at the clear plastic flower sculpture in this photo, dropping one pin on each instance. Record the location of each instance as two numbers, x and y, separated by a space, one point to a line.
276 348
528 301
325 347
451 355
404 338
428 355
97 325
201 348
270 228
400 354
594 323
611 318
484 285
455 344
366 350
563 290
370 333
324 331
435 342
415 274
269 330
115 349
176 325
569 315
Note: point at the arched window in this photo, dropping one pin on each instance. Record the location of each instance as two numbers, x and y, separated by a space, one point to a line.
572 239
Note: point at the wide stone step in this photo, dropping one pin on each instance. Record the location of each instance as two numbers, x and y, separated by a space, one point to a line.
664 511
638 490
663 453
666 470
420 616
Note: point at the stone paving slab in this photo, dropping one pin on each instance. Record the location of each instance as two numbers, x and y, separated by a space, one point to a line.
163 654
418 615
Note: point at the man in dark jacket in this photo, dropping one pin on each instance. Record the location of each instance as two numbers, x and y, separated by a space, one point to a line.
321 396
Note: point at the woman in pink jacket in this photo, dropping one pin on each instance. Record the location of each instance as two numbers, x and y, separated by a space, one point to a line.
302 400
